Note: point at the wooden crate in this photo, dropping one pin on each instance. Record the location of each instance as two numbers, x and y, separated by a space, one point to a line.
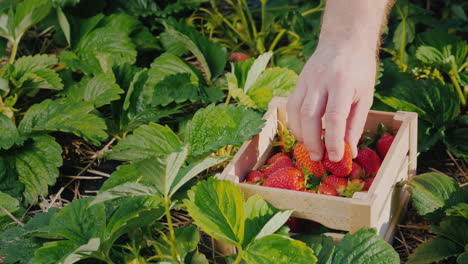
381 207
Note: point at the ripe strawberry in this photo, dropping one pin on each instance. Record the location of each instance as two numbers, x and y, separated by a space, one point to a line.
368 183
357 172
354 185
254 177
303 161
238 56
296 225
327 190
281 163
343 167
335 181
286 178
384 143
369 161
276 157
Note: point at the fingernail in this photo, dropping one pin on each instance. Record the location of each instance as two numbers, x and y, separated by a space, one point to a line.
333 156
314 156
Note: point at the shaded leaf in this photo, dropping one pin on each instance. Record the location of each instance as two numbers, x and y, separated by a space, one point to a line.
9 203
434 250
432 193
9 135
176 88
453 228
65 252
323 247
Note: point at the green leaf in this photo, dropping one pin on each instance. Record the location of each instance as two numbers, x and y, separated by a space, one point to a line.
463 258
65 252
169 64
186 241
79 221
218 125
63 115
238 93
28 13
454 139
460 209
132 213
9 203
256 69
124 174
278 249
145 142
291 62
16 247
365 246
277 81
141 8
217 208
176 88
432 193
128 189
241 70
33 63
99 90
453 228
36 165
262 219
404 33
434 250
64 24
429 55
212 56
9 135
323 247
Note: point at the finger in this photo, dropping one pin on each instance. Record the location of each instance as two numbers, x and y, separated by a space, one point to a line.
293 108
311 112
336 114
356 122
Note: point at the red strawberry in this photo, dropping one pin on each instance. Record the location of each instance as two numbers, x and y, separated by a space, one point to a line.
384 143
357 172
254 177
303 161
369 161
327 190
286 178
296 225
281 163
368 183
343 167
354 185
238 56
335 181
276 157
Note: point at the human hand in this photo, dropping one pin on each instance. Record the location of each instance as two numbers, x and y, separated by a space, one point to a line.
337 83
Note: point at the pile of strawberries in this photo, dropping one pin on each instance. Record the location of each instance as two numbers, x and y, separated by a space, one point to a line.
291 167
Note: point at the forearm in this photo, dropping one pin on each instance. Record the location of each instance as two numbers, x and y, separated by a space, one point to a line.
356 22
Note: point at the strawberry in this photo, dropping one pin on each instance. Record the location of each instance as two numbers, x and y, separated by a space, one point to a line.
368 183
280 163
343 167
384 143
369 161
354 185
286 178
238 56
303 161
327 190
296 225
276 157
357 172
254 177
335 181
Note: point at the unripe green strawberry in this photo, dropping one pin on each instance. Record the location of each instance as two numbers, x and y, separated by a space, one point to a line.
369 161
343 167
286 178
303 161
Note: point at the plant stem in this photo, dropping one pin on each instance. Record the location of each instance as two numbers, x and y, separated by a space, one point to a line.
239 256
172 238
13 52
453 77
251 20
277 39
228 99
311 11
